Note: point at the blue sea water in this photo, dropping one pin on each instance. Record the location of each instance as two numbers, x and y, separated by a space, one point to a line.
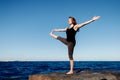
20 70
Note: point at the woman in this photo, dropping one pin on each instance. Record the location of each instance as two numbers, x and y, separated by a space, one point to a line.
70 40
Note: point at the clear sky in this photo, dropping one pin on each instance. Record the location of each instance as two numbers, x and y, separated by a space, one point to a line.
25 26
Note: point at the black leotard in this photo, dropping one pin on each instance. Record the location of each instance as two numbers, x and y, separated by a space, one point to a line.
71 34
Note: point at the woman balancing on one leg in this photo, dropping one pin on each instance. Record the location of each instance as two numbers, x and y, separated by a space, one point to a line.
70 40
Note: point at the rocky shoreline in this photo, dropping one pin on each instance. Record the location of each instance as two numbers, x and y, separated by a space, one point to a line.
79 75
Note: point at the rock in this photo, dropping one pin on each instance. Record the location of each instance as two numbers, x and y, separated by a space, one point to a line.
83 75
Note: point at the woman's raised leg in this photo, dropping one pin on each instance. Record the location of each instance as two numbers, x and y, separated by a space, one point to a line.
63 40
53 35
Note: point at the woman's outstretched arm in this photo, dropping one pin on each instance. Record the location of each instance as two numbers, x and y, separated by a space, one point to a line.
87 22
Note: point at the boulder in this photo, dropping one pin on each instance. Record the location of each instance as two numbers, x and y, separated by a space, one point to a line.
78 75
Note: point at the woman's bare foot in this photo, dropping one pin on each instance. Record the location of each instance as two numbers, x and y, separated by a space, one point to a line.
51 34
70 72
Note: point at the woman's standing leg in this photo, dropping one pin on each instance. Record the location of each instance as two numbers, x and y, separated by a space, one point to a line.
70 54
70 50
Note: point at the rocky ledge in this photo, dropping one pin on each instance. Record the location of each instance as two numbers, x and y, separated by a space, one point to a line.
79 75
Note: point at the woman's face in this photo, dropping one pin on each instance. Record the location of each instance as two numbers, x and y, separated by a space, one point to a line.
70 21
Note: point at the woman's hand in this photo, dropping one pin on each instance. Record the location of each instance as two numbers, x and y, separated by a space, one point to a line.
96 17
59 30
54 30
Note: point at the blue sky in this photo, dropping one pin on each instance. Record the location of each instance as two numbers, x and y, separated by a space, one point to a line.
25 26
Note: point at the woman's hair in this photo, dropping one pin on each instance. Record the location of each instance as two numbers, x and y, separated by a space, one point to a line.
74 21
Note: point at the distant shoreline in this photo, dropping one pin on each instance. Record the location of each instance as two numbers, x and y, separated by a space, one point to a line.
59 61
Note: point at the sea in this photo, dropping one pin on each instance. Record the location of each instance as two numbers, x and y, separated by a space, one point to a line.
20 70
